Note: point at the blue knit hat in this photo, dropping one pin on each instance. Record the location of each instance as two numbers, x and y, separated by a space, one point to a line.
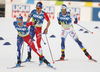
39 5
19 17
63 6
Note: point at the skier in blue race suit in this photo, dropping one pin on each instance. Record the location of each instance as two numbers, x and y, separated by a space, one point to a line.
23 35
65 20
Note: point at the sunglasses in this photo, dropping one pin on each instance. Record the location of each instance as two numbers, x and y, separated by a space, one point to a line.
38 8
63 10
19 21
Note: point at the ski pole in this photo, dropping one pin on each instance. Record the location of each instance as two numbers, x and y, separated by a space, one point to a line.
49 49
85 28
40 36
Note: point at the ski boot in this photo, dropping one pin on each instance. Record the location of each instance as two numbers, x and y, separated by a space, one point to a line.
48 64
18 62
40 60
62 56
45 61
29 57
87 54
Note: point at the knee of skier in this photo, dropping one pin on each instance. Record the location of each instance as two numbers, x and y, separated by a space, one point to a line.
39 46
79 42
18 45
18 49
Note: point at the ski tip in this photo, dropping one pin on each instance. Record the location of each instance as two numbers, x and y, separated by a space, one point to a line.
11 67
61 60
54 68
14 67
8 68
95 60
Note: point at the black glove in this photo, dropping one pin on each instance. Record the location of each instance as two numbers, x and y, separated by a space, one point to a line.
59 23
35 22
75 22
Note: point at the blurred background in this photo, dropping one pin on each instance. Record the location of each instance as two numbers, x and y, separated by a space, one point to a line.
2 8
86 10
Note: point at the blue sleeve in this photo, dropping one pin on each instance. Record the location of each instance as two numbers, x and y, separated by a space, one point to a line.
76 19
14 23
58 17
31 14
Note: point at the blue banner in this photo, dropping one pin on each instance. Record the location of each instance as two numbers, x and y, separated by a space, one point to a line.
96 14
30 2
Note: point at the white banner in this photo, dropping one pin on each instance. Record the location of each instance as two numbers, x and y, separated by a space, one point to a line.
12 10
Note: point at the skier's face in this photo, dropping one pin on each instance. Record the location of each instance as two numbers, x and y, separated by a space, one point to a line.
63 11
38 9
20 22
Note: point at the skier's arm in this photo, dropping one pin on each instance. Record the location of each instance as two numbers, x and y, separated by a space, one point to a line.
58 19
76 19
28 19
48 23
30 15
30 23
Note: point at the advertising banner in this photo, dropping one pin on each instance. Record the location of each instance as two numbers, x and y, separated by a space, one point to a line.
23 10
96 14
75 11
50 10
81 0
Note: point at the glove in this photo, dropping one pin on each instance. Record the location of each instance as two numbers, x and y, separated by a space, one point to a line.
32 23
45 31
75 22
59 23
35 22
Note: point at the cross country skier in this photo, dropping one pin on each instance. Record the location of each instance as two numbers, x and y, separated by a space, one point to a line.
23 35
37 16
65 20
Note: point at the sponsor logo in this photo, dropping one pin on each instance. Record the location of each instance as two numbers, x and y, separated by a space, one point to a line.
23 29
40 17
23 10
64 18
50 10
